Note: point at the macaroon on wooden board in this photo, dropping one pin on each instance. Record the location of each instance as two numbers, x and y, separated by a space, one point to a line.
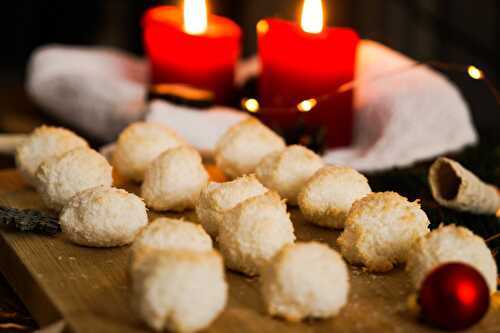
87 290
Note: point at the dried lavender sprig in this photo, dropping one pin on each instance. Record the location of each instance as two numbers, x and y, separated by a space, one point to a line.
30 220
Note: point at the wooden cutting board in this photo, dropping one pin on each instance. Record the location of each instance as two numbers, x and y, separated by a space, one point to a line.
88 288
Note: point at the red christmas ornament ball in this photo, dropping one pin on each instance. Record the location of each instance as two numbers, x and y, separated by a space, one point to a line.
454 296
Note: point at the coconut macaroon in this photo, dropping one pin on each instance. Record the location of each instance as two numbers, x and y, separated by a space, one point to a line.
174 180
305 280
254 231
103 217
288 170
244 145
138 145
43 144
179 291
450 244
217 198
328 196
171 234
60 178
379 230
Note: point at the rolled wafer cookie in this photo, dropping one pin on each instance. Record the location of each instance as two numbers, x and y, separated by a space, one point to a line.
455 187
9 142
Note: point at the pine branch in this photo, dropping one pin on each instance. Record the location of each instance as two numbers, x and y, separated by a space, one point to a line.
29 220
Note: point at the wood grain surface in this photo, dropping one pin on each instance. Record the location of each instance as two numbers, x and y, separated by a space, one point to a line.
88 288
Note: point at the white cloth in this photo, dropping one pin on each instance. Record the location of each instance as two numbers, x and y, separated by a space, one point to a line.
406 115
201 128
94 89
402 115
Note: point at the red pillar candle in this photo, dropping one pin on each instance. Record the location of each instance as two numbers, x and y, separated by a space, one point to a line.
299 65
203 56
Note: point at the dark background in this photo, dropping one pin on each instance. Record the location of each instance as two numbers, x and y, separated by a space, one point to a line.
449 30
454 31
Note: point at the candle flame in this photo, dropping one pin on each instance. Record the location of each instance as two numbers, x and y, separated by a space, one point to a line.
195 17
312 16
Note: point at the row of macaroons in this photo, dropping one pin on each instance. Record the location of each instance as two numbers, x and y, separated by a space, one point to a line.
174 179
379 227
251 222
173 263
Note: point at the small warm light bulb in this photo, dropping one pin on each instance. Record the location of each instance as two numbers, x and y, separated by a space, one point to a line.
195 17
262 27
312 16
251 105
307 105
475 73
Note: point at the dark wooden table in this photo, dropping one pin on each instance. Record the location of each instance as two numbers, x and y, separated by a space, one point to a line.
19 115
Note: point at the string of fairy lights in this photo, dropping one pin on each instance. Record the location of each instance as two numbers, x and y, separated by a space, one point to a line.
252 105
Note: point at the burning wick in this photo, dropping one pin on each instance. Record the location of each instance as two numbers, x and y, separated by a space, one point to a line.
312 16
195 17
